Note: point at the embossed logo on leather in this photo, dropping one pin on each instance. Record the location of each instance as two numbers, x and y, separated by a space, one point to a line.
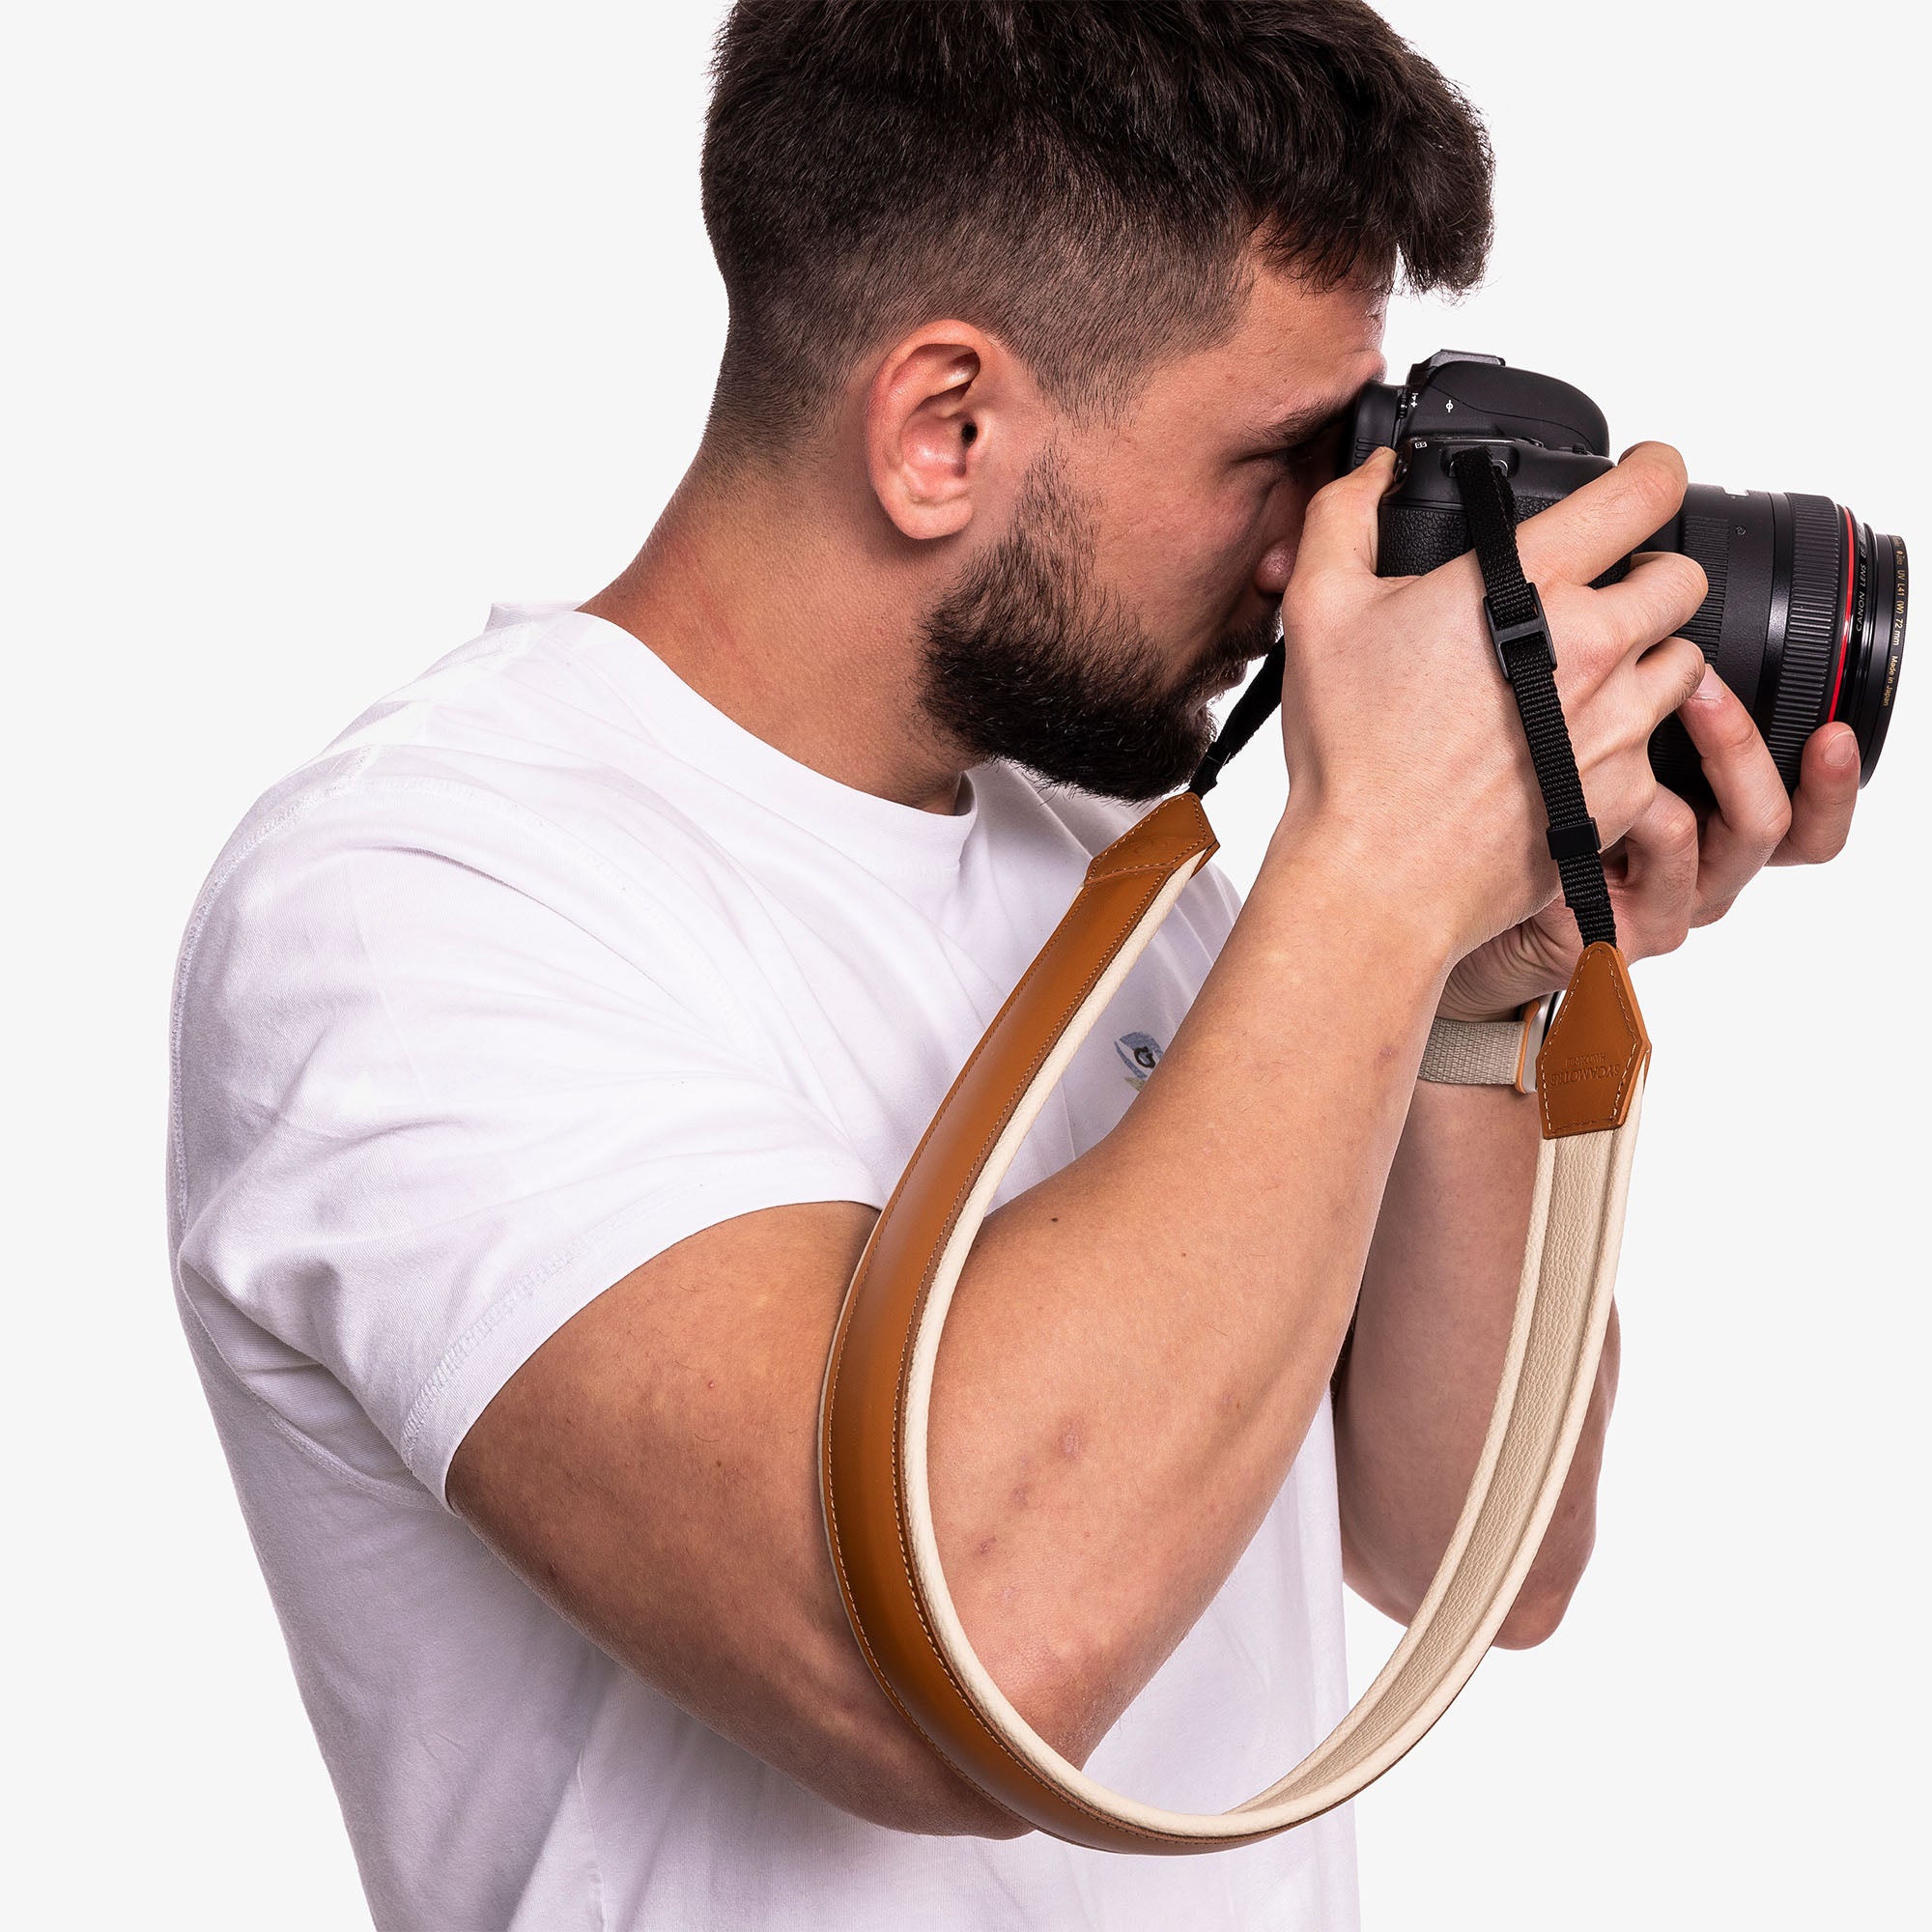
1593 1066
1596 1046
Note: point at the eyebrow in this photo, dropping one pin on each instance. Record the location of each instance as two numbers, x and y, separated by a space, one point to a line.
1303 425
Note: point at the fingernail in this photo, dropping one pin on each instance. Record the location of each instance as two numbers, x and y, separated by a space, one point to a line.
1842 753
1708 691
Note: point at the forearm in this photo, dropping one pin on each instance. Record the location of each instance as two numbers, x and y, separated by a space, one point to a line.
1414 1397
1139 1345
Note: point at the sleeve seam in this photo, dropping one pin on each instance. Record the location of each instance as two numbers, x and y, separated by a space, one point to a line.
825 1179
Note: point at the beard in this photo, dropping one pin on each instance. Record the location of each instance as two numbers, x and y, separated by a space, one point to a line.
1023 658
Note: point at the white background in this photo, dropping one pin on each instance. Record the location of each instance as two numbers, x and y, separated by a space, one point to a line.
328 325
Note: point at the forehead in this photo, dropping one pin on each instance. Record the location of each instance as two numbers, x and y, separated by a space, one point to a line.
1296 350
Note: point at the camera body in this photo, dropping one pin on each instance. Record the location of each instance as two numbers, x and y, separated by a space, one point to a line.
1805 619
1550 437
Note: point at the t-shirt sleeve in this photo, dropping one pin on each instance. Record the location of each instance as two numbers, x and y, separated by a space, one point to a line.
441 1083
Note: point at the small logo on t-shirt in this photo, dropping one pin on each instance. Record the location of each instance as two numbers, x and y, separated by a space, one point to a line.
1140 1053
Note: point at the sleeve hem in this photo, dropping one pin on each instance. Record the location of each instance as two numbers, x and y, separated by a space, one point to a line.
481 1361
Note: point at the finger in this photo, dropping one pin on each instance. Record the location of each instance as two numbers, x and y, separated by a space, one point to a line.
1821 807
1610 516
1667 675
1660 595
1658 894
1753 811
1339 527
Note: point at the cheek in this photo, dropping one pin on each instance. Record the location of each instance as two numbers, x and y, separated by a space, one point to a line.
1182 563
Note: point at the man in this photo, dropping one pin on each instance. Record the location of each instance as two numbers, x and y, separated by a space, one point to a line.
547 1047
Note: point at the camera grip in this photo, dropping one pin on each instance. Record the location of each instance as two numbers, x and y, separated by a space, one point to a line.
1413 539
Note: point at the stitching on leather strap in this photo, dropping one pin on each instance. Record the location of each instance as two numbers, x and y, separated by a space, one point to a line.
1124 929
1184 843
1632 1060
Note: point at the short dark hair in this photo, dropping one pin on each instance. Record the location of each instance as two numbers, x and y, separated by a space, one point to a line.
1080 177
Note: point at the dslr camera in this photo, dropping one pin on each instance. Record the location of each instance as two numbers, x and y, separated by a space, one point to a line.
1805 616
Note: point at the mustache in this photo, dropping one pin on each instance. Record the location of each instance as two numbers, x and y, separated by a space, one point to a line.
1258 639
1240 648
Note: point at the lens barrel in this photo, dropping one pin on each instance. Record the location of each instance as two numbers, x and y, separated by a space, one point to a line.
1804 621
1805 613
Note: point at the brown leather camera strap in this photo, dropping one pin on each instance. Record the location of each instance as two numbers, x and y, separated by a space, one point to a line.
879 1384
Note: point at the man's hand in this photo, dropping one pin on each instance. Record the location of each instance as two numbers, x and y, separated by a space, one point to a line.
1403 745
1672 871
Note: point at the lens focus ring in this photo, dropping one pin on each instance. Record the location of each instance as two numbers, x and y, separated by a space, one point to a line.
1810 630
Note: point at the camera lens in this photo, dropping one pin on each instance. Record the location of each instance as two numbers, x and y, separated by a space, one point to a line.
1804 621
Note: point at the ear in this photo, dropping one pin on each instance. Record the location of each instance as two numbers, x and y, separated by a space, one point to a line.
930 417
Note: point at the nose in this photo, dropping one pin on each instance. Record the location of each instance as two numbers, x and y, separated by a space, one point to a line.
1276 566
1287 507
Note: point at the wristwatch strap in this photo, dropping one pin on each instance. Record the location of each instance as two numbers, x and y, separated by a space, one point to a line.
1487 1053
879 1384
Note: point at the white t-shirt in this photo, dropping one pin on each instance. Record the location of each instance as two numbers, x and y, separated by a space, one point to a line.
542 966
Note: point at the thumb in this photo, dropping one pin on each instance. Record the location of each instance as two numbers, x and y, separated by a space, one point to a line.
1338 530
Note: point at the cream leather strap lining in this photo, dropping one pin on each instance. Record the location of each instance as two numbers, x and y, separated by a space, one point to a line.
879 1384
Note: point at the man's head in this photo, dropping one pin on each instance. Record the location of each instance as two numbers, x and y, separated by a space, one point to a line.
1074 284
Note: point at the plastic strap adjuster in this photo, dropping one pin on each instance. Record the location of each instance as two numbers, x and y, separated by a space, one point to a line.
1502 636
1577 839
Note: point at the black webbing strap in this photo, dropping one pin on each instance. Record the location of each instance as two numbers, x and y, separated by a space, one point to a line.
1528 655
1251 710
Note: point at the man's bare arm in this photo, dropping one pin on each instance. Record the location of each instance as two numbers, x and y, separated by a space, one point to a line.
1139 1343
1414 1397
1124 1379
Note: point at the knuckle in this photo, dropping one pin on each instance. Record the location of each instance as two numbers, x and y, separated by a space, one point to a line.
1771 822
1688 586
1585 650
1676 827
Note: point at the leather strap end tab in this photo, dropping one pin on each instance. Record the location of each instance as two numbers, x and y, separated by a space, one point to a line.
1595 1051
1173 831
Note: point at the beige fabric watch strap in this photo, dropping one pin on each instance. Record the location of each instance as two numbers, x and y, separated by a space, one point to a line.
1487 1053
878 1382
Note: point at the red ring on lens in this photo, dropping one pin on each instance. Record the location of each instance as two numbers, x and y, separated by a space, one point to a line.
1845 621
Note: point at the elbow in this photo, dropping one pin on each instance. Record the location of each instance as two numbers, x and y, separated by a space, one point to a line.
1533 1618
1068 1685
1542 1600
914 1790
875 1766
938 1804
